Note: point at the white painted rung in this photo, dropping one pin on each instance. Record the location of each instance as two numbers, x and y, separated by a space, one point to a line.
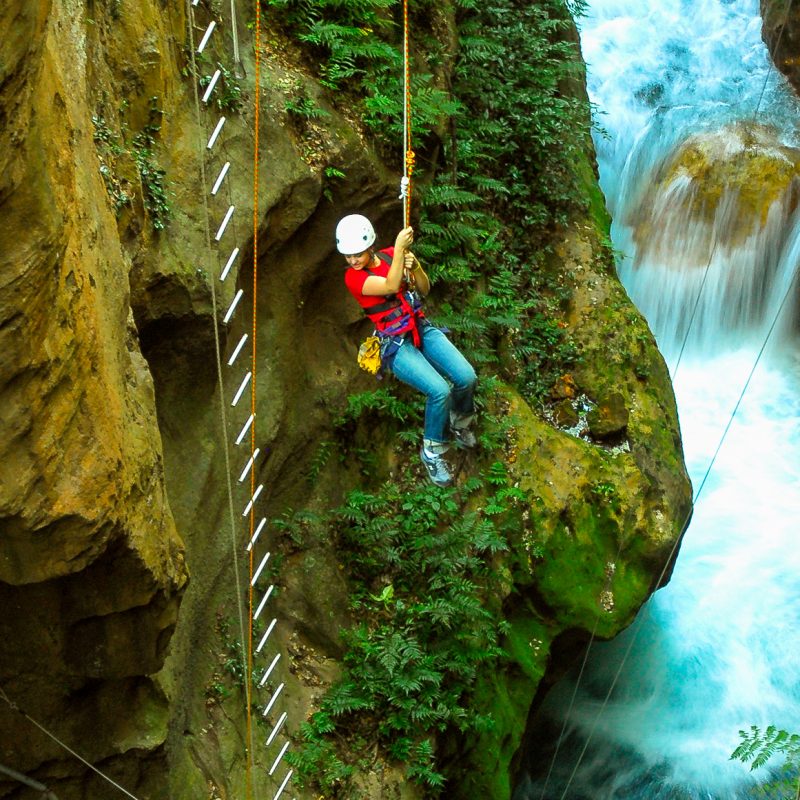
256 534
253 500
217 131
272 701
211 85
206 36
278 726
280 756
224 224
266 636
237 350
250 462
243 432
259 570
238 396
263 602
231 259
233 305
221 177
265 676
284 784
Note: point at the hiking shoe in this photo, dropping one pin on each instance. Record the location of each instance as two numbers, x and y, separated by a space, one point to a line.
437 468
463 438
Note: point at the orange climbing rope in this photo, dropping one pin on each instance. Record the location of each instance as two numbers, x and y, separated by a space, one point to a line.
256 111
409 157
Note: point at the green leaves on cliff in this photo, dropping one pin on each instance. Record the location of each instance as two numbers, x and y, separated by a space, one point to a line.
420 568
342 35
509 180
116 151
153 178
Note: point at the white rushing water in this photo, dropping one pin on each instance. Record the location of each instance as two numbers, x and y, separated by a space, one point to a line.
718 649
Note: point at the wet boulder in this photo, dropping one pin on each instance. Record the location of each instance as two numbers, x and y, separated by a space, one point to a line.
730 184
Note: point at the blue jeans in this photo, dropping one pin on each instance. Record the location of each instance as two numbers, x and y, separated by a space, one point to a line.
428 369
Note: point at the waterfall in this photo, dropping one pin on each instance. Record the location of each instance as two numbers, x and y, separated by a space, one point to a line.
718 649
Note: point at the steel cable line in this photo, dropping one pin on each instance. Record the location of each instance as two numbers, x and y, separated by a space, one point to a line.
14 707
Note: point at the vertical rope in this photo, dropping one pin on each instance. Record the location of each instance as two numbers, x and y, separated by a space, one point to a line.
217 343
408 153
257 115
221 390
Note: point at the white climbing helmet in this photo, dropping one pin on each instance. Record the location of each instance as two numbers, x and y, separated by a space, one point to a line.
354 234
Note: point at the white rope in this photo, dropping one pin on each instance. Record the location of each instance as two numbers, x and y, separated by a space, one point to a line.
404 182
26 781
220 378
235 34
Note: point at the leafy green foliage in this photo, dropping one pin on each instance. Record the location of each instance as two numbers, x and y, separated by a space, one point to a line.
110 148
230 668
303 107
510 180
321 458
339 34
153 177
227 95
421 572
382 400
758 747
114 148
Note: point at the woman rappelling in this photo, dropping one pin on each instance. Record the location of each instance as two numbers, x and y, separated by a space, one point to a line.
389 285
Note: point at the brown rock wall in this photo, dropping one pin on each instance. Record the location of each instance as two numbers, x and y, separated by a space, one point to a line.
781 32
91 564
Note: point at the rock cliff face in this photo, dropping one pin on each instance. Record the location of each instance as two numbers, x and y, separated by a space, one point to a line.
113 486
91 564
781 32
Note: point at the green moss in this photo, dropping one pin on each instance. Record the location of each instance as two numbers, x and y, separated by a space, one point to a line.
145 726
506 694
590 188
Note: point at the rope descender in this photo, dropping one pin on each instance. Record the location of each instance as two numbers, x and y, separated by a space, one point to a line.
405 184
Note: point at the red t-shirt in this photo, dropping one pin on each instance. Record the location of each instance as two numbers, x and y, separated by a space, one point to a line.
354 280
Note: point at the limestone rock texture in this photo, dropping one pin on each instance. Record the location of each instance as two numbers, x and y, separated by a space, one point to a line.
91 563
116 452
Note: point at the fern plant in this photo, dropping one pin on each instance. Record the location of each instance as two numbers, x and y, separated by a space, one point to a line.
420 570
758 747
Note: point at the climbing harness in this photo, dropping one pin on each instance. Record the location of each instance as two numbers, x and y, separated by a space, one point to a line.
399 313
